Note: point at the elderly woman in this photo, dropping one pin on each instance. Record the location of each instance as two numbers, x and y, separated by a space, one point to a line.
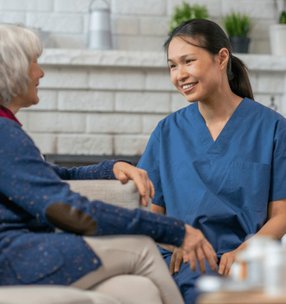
34 201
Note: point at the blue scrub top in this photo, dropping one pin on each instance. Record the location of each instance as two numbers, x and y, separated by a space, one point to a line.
222 187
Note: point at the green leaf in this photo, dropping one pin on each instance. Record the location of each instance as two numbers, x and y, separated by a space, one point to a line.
237 24
282 18
186 12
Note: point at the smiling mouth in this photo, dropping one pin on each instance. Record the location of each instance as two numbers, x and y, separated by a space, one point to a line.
188 86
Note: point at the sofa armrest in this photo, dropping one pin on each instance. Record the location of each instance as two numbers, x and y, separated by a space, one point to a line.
109 191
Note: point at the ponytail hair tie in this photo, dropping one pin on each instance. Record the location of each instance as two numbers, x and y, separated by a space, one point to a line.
229 68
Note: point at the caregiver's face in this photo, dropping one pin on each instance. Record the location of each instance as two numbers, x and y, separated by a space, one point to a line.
193 70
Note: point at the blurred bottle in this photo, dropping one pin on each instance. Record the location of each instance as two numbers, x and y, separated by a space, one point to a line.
275 271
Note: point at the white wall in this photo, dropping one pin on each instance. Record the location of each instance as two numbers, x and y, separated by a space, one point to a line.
136 24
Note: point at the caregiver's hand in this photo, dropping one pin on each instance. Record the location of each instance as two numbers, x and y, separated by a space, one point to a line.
124 172
198 249
176 260
226 261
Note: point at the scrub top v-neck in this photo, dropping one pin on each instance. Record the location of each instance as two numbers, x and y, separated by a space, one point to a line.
222 186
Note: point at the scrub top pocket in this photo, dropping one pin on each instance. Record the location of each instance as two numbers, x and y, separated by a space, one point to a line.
249 184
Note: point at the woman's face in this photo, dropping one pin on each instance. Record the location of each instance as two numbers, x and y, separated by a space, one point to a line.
31 97
195 73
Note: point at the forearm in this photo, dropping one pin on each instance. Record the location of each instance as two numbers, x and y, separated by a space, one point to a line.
275 227
98 218
103 170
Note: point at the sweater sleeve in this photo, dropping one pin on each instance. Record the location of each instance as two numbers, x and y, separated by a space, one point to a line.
103 170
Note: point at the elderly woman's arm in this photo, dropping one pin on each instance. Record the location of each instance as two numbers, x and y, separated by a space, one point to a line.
102 170
31 184
111 169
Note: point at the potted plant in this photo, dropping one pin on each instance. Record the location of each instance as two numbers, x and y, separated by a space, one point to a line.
186 12
278 36
237 26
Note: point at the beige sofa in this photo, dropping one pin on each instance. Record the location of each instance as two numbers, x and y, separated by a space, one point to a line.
111 191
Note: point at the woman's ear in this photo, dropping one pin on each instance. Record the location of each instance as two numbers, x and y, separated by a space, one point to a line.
223 57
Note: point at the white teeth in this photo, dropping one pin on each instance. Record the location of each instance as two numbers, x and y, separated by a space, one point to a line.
187 86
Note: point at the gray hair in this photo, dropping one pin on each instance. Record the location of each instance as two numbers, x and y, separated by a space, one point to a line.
18 47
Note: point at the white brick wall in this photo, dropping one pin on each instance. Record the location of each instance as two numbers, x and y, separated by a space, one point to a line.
56 122
71 6
130 144
59 23
154 26
125 26
136 25
114 123
65 78
84 144
139 7
27 5
150 102
116 79
255 8
78 100
269 83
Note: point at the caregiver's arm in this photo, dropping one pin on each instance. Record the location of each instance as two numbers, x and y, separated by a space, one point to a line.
276 224
158 209
275 227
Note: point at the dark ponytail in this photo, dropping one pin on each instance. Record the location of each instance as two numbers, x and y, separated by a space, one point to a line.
210 36
238 78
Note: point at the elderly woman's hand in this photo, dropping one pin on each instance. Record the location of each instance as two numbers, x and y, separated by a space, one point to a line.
124 172
198 249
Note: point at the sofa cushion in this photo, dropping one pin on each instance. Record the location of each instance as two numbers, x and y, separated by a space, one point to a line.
109 191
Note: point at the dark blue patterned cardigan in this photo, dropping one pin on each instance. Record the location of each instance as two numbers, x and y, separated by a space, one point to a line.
31 252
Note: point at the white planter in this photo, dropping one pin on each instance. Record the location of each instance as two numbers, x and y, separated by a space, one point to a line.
278 39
